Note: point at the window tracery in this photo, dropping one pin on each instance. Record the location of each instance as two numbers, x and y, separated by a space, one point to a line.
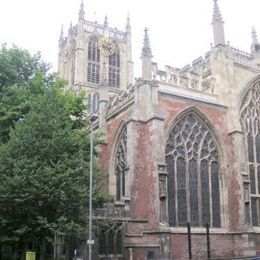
250 117
111 240
93 62
121 165
193 174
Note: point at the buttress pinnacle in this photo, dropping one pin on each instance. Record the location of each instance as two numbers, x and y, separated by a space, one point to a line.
217 18
81 12
146 50
218 26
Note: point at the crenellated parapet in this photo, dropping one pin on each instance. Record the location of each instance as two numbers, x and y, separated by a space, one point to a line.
104 30
242 57
196 76
94 27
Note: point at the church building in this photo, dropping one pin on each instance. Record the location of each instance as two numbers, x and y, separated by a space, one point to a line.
181 146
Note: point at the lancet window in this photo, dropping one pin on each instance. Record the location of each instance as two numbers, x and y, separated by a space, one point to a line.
114 69
121 164
250 118
93 62
193 174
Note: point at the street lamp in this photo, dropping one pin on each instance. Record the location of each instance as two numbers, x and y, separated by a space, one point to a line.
93 117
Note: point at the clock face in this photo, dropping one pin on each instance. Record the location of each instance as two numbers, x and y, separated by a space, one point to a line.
106 46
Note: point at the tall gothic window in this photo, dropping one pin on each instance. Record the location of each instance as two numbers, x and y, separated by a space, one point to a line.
114 69
250 117
121 164
93 61
193 174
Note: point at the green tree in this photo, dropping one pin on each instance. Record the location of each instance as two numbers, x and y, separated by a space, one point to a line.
21 77
44 166
18 66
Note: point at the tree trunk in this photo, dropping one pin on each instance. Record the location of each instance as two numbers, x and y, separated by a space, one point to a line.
42 249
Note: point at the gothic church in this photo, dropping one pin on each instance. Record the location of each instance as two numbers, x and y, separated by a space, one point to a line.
181 145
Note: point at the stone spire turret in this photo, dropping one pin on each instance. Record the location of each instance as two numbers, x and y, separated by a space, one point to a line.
70 31
255 46
61 38
128 26
146 57
81 12
146 50
105 21
218 26
254 35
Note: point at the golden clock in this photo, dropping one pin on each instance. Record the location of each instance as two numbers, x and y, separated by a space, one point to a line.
106 46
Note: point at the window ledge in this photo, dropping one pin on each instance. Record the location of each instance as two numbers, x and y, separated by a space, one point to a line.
110 256
195 230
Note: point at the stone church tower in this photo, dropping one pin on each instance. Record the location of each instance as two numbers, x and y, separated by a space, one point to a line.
181 145
96 58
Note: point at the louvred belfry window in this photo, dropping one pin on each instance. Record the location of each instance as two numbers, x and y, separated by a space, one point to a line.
114 69
193 174
250 118
93 62
121 164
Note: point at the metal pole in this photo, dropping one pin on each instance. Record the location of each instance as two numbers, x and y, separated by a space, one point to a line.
189 240
90 242
208 241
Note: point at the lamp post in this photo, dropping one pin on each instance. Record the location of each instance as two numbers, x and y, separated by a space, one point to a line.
93 117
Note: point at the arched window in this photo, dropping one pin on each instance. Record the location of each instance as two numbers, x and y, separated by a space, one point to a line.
250 118
121 164
114 69
193 174
111 240
93 61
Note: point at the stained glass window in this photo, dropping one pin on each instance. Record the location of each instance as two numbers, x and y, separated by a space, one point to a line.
250 118
193 174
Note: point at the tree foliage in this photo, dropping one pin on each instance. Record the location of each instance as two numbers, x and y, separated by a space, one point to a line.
44 155
22 77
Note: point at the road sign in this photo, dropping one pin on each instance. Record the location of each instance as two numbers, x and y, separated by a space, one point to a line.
30 255
90 242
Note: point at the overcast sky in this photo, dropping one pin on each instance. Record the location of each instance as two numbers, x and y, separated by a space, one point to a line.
180 30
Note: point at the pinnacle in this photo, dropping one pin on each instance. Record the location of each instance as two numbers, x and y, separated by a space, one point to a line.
81 11
105 21
254 35
128 26
146 50
216 14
